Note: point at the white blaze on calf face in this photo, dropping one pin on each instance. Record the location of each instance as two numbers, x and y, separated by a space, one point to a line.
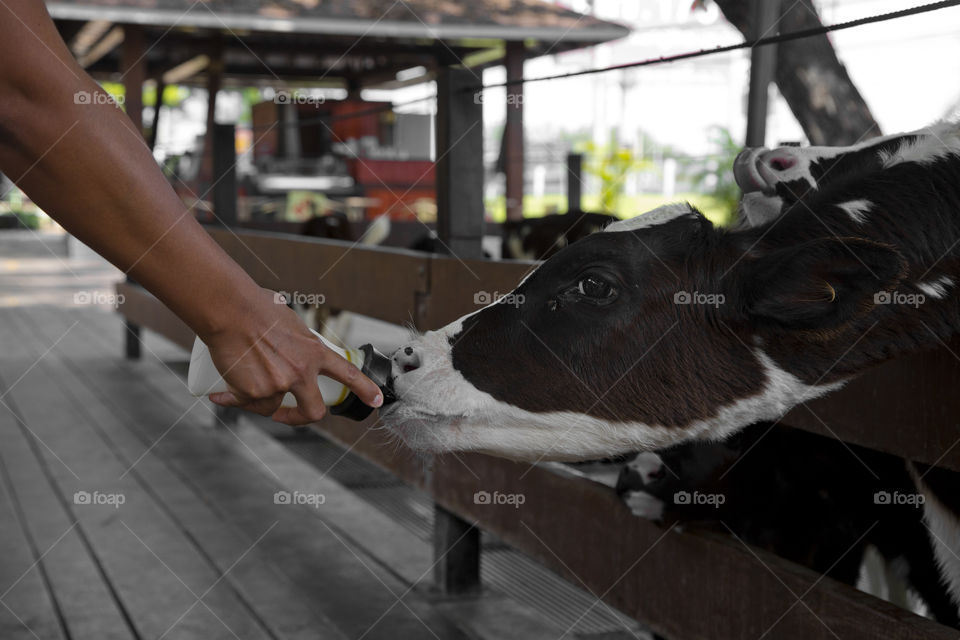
439 410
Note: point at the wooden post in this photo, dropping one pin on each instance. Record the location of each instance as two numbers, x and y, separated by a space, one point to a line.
152 140
513 131
134 63
214 72
225 174
456 543
763 64
574 182
456 546
459 163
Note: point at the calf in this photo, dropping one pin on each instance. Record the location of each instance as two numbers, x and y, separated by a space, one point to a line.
664 328
807 498
541 238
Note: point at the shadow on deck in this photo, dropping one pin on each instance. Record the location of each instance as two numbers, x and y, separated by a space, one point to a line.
127 512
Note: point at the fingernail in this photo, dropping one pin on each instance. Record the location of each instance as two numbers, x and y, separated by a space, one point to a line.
378 400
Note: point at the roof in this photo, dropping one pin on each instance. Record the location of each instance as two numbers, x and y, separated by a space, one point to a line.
433 19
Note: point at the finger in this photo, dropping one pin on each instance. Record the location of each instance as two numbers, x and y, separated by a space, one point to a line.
225 399
333 366
263 406
291 416
310 406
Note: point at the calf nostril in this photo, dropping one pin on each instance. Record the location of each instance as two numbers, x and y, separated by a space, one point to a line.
407 359
782 163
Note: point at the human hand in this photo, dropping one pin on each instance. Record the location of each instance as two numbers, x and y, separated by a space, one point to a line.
269 352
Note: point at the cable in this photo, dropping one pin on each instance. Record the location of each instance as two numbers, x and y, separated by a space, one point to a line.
748 44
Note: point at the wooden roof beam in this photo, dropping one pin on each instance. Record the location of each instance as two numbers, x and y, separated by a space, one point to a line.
111 41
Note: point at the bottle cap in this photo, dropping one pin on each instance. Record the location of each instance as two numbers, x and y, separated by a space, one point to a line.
378 368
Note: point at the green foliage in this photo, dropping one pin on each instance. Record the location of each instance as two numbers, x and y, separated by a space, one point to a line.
716 178
612 163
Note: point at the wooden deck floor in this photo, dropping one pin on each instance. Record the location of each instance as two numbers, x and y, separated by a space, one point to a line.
126 513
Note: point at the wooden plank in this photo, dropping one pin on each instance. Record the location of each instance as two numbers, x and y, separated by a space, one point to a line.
458 287
86 604
286 611
296 545
27 608
683 584
135 542
141 308
341 272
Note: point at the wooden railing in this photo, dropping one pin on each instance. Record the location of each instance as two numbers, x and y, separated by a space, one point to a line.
683 584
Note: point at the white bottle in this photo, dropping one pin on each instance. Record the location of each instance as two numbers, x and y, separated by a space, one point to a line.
204 379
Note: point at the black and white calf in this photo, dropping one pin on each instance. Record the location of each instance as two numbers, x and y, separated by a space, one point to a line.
664 328
808 498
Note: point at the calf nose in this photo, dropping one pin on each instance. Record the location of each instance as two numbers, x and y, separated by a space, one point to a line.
779 160
407 359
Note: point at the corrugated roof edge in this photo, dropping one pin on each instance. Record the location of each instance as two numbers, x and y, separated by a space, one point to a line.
393 29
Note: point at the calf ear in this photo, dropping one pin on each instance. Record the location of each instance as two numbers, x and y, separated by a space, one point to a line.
821 284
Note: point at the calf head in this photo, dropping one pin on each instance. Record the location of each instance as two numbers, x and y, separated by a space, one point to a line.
650 333
776 179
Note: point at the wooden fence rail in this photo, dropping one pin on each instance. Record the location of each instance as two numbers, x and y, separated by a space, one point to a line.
683 584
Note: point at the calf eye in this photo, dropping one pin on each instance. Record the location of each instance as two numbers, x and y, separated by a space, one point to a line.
595 288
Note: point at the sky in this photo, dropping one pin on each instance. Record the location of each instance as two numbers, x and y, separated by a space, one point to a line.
908 70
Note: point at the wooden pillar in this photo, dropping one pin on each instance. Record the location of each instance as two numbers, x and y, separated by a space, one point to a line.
152 140
456 547
214 72
459 139
459 154
225 174
513 131
574 182
763 64
134 63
